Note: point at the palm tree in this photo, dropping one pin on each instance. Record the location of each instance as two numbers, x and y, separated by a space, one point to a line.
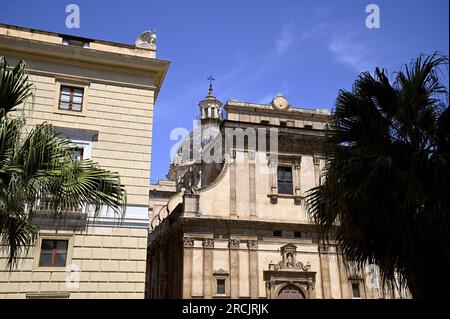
38 167
385 196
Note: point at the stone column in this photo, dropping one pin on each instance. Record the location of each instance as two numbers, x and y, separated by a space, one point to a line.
252 181
272 163
253 265
298 186
343 276
233 247
311 289
325 271
188 244
316 161
161 270
208 245
233 169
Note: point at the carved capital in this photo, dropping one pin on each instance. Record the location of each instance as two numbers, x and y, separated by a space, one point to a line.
188 242
208 243
297 164
252 244
233 244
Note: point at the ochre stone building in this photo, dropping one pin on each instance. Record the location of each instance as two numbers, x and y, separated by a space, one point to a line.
100 95
238 227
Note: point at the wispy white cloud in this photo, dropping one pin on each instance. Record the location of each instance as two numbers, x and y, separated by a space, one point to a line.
285 39
357 53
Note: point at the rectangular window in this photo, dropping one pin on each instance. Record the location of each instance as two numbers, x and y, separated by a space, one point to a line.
355 290
71 98
53 253
77 153
221 286
284 175
297 234
277 233
283 123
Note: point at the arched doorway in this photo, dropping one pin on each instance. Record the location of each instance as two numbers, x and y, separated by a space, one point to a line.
291 292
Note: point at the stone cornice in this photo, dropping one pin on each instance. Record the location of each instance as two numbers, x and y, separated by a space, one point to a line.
65 54
233 105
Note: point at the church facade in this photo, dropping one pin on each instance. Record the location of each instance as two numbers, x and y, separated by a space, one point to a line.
231 221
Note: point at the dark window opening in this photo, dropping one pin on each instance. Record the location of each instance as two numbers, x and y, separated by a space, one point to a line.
221 286
71 98
265 122
283 123
309 127
77 153
53 253
355 290
298 234
277 233
284 175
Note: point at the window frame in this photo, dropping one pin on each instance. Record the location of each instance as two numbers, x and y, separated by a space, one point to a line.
284 182
353 290
71 98
53 252
53 236
59 83
221 276
222 283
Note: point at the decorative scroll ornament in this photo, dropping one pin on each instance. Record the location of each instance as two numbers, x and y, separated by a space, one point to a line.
220 272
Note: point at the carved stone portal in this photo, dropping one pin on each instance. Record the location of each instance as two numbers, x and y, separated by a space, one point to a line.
290 278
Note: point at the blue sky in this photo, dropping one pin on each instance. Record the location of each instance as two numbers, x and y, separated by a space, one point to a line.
307 50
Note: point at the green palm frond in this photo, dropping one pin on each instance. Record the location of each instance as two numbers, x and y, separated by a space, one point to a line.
14 86
387 176
38 167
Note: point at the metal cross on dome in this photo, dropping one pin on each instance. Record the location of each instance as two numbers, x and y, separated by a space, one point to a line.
210 78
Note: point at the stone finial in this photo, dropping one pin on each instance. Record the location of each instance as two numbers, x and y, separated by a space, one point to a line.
147 40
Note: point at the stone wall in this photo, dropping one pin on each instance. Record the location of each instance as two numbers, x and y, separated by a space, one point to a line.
109 263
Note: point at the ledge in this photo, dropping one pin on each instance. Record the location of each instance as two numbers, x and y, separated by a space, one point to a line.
274 198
